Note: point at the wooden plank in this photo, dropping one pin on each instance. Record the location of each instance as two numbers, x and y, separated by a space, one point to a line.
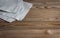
31 25
31 33
42 1
43 15
45 3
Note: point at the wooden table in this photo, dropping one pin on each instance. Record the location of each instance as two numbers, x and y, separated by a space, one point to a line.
39 23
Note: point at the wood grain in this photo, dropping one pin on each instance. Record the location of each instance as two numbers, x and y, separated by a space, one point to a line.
39 23
29 34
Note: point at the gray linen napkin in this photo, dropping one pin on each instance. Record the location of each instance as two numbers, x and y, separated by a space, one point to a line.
10 5
19 15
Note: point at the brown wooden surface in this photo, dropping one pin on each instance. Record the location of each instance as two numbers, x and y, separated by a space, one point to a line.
39 23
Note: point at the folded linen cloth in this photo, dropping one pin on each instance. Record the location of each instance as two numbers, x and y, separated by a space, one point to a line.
19 15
